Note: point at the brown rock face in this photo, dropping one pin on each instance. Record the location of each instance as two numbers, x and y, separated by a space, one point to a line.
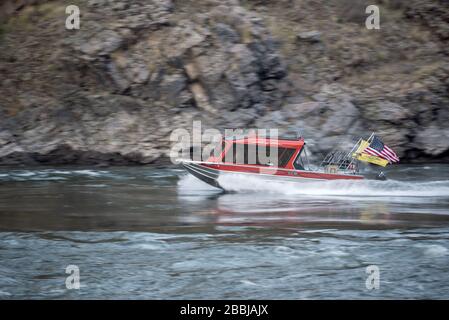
136 70
113 91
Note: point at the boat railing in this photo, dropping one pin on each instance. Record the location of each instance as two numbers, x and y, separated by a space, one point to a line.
338 160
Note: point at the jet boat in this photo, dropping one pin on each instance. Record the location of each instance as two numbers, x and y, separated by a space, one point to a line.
292 162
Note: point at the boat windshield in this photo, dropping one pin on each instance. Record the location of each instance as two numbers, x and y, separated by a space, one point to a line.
300 160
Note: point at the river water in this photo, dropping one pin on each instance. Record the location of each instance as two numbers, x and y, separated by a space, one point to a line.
147 233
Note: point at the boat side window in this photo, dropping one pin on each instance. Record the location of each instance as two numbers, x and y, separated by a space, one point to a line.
236 152
223 147
216 152
241 153
299 162
284 156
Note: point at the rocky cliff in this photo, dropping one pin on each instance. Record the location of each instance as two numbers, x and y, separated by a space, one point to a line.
113 91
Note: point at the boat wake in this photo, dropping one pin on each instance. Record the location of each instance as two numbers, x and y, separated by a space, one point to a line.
337 188
365 188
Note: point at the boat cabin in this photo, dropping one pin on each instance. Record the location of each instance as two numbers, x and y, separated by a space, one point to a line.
257 151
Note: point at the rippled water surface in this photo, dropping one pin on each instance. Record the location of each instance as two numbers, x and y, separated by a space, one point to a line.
151 233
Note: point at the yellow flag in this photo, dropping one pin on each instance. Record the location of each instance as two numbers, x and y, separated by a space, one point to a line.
362 146
372 159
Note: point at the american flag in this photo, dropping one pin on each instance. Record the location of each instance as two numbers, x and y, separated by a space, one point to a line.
379 149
